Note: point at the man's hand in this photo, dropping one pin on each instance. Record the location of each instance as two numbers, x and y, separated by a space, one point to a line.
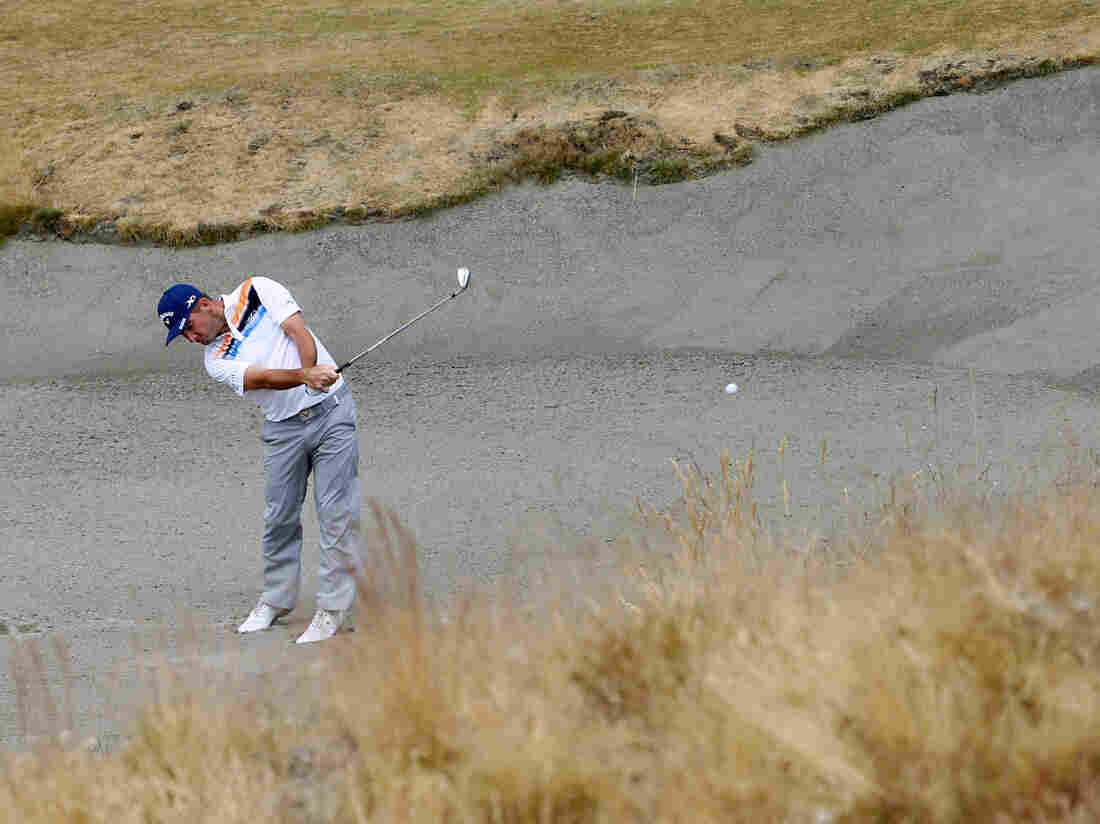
320 377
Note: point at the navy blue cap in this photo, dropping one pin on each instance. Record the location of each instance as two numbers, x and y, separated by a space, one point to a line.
175 307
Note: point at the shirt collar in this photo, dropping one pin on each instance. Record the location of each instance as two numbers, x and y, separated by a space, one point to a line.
227 301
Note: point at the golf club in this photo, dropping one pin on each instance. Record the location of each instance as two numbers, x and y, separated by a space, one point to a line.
463 282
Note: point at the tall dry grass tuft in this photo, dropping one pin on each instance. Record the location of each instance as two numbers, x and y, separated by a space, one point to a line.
945 671
190 759
971 685
951 676
465 716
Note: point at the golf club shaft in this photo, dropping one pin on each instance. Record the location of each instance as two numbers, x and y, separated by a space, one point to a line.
400 328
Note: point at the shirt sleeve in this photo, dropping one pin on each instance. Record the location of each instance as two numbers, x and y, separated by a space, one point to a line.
229 372
276 298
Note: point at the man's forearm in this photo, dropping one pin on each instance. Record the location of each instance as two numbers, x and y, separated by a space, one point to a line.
316 377
256 378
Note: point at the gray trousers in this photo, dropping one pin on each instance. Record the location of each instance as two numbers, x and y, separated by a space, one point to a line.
323 440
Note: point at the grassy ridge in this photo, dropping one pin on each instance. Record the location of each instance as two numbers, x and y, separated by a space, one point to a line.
940 666
160 116
472 46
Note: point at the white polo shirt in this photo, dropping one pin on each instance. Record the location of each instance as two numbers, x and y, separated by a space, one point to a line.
255 311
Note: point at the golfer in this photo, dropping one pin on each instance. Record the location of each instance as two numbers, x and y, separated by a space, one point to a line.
258 343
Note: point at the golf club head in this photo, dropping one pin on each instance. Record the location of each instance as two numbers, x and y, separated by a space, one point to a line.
463 278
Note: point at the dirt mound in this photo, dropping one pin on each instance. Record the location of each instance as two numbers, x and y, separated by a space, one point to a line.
614 144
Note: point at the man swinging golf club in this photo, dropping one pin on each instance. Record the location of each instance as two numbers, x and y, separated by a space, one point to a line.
257 342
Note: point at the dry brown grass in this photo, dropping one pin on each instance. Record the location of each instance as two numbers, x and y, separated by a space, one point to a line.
148 120
941 666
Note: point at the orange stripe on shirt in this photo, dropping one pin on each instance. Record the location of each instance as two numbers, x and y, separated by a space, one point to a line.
242 302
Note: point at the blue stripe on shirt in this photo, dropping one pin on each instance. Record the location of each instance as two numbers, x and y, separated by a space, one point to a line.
234 349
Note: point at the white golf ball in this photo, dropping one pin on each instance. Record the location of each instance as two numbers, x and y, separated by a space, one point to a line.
731 388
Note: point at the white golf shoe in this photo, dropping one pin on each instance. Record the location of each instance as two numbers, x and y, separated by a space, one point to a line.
262 617
325 624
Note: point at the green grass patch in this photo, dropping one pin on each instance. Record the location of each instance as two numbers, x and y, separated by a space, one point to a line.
45 218
12 217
